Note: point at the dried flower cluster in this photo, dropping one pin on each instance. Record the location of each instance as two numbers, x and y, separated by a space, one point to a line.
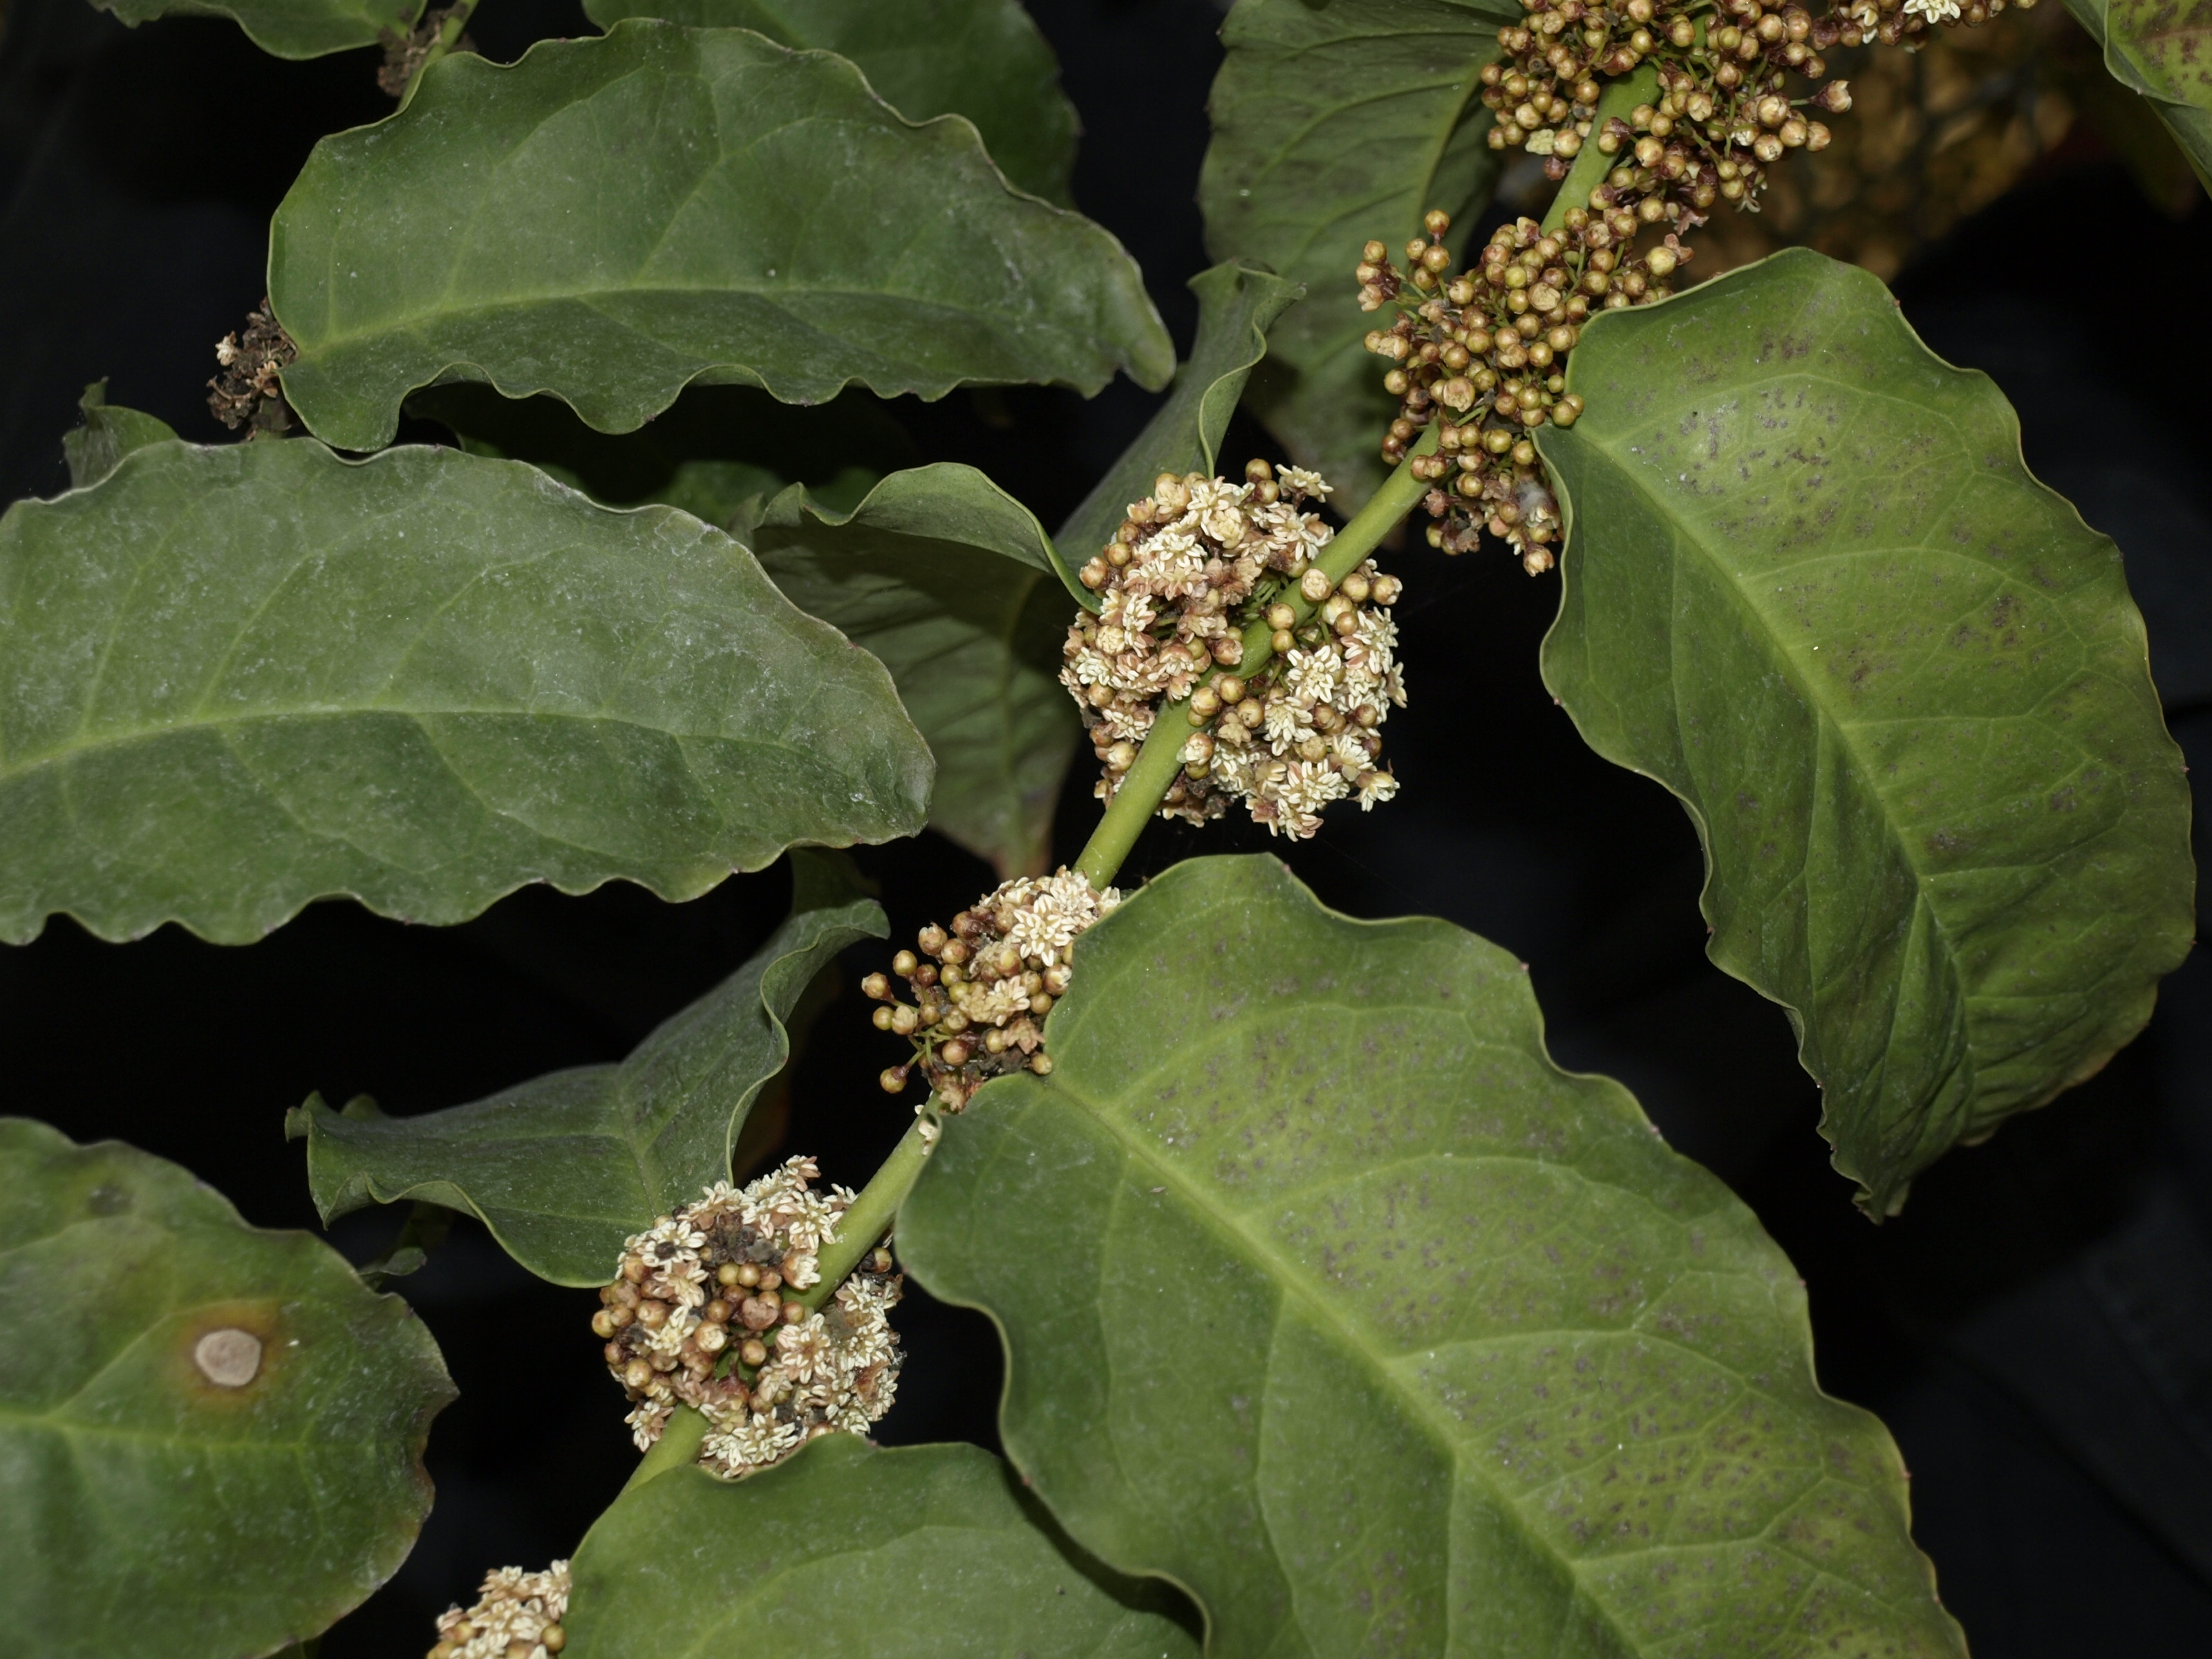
700 1314
517 1616
404 55
1197 567
1484 350
982 988
247 392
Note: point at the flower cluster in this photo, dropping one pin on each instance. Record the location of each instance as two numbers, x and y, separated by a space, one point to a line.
699 1314
1485 349
982 988
1200 572
1302 732
247 392
517 1616
1173 586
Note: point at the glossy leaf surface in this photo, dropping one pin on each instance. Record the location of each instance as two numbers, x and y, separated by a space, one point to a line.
611 220
1332 124
983 59
1337 1303
915 1552
286 28
109 433
210 1436
244 678
564 1168
2162 49
1236 306
952 583
1900 686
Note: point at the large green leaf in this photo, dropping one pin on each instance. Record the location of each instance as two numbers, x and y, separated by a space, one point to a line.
921 1552
286 28
109 433
713 453
210 1436
1336 121
611 219
952 583
1900 686
1236 306
1328 1295
241 678
983 59
2162 49
564 1168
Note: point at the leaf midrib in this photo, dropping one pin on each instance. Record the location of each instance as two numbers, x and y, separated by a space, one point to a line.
1292 1278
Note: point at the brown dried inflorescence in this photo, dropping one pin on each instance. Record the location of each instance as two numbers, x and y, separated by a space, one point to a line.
247 391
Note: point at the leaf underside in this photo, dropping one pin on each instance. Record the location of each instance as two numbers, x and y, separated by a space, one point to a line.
1346 1309
143 1507
1335 124
611 220
983 59
917 1552
953 587
244 678
286 28
1236 306
564 1168
1901 687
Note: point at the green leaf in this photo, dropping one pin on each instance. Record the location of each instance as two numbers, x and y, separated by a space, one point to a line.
1334 123
109 433
949 581
2162 49
982 59
210 1436
1900 686
244 678
1328 1295
1236 306
712 452
564 1168
611 220
920 1552
286 28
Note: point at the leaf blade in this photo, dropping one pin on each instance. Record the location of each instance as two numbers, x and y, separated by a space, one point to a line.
2155 48
1352 1247
800 236
1332 125
1874 817
911 1551
239 686
146 1502
981 59
564 1168
286 28
949 582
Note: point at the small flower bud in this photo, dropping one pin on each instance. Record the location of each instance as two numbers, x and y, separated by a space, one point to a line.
1315 585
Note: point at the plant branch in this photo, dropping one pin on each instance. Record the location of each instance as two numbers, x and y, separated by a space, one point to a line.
862 1227
450 29
1591 164
684 1432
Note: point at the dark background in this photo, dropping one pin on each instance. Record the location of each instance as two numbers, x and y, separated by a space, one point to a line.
2036 1329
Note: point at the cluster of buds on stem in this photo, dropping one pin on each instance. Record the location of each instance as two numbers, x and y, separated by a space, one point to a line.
1484 350
702 1313
517 1616
1213 591
247 391
982 988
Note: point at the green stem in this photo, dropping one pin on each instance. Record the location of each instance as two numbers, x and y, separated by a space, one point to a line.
1591 164
1147 782
863 1227
679 1442
448 36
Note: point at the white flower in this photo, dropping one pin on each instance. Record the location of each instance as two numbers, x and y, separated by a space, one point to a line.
683 1281
757 1442
1297 481
669 1339
1379 786
1312 675
1935 11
